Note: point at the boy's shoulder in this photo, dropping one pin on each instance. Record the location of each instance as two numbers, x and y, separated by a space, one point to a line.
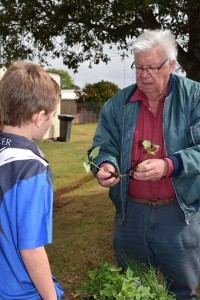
23 166
16 154
20 158
16 147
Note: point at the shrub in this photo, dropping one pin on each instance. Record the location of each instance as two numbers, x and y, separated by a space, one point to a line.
137 282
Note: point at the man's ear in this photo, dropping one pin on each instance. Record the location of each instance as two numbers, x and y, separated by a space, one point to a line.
38 118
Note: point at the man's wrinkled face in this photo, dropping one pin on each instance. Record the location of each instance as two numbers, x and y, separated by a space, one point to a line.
147 81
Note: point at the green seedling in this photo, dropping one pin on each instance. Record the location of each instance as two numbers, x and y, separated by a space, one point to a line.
149 148
94 153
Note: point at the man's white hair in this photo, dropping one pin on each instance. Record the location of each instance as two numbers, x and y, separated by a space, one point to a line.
152 38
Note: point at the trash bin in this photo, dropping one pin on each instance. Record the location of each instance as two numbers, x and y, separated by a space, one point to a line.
65 127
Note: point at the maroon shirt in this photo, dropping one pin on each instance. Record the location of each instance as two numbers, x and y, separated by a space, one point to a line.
149 127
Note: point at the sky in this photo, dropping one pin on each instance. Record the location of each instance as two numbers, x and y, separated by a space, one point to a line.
116 71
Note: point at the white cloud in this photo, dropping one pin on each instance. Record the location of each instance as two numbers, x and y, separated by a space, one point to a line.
116 71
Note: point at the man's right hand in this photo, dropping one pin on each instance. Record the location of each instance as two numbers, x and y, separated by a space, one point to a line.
104 177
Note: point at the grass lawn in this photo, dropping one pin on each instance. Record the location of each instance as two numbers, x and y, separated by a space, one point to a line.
83 213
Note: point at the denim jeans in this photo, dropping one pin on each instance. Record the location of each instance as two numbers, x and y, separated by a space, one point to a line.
161 237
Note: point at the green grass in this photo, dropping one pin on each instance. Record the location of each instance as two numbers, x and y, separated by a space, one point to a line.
64 157
83 213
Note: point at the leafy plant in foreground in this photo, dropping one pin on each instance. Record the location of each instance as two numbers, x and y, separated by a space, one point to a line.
149 148
109 282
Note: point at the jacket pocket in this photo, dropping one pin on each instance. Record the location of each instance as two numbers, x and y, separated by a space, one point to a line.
195 134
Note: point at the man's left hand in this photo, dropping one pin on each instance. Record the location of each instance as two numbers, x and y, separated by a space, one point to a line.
151 169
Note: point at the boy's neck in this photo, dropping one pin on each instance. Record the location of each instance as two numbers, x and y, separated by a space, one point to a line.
24 131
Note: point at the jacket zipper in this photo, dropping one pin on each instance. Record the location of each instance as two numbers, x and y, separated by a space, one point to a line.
121 161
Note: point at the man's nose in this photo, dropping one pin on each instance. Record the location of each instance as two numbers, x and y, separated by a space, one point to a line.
144 73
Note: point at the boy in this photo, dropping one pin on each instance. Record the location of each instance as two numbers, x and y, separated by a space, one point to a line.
28 103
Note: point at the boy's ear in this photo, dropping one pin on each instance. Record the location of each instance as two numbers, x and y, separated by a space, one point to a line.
38 118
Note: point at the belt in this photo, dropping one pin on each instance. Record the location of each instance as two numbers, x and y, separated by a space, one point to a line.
155 202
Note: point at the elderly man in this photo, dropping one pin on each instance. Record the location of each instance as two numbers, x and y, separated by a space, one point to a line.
157 217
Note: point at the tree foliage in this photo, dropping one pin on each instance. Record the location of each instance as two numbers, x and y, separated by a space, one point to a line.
78 29
96 94
66 80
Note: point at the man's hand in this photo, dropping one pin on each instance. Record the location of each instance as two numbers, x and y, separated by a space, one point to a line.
151 169
104 176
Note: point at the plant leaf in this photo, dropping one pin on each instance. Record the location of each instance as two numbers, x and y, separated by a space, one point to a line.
156 147
151 152
146 144
107 291
86 166
95 152
92 274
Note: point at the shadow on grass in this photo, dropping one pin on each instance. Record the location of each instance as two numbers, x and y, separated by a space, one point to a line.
76 185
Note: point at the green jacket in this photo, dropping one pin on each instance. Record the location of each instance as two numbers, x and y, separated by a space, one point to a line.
181 130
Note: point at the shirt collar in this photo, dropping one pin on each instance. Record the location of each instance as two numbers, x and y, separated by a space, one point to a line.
15 141
138 95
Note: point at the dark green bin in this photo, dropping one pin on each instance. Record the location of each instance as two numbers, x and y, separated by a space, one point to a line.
65 127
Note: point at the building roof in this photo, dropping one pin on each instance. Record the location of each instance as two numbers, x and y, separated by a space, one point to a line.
68 95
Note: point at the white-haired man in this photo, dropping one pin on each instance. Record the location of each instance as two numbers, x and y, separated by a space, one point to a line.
157 217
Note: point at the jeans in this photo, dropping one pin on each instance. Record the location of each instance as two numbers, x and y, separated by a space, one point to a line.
161 237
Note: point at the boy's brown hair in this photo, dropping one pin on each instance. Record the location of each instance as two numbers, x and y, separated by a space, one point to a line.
26 89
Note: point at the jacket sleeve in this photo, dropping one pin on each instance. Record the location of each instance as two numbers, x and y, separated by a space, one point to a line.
107 136
190 156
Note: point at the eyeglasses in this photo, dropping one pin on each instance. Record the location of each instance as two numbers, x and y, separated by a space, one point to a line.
149 70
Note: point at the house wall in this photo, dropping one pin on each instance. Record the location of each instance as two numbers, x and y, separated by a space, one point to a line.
54 130
68 104
68 107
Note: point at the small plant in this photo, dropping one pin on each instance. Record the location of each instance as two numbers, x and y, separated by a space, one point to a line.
94 153
149 148
110 282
